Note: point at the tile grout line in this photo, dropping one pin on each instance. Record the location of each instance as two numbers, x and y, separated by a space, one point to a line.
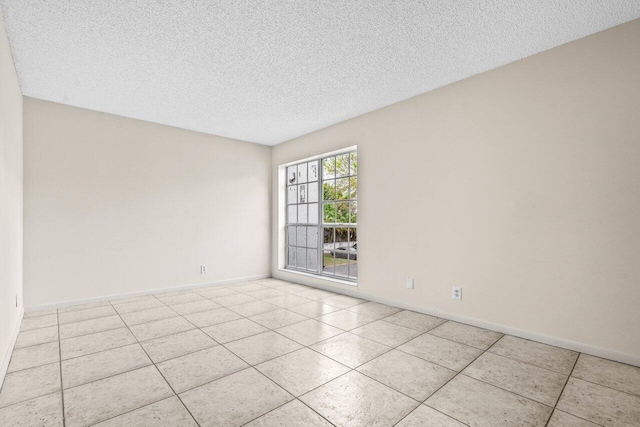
562 392
64 417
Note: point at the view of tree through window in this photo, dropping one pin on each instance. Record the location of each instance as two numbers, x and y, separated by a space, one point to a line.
322 201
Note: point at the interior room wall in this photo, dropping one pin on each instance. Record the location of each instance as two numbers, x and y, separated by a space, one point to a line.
520 185
115 205
10 201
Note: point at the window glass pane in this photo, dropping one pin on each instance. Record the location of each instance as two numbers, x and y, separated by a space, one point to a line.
291 236
302 214
353 265
291 256
312 237
329 238
328 262
292 196
342 189
292 175
342 238
312 215
329 168
353 163
292 214
312 259
329 213
329 190
301 257
302 193
353 187
342 212
353 238
313 171
312 188
342 165
302 173
353 212
301 236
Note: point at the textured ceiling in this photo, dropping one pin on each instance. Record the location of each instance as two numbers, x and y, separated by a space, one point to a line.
268 71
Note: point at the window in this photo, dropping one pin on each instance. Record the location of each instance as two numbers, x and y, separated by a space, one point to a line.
322 216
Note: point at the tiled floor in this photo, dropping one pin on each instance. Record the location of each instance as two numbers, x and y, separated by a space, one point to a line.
272 353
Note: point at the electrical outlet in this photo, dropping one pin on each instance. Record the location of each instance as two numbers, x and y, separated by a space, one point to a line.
457 293
203 269
409 283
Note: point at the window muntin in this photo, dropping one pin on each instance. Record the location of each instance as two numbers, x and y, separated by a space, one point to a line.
322 211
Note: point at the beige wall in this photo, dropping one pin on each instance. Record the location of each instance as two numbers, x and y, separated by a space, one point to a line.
10 199
115 205
521 185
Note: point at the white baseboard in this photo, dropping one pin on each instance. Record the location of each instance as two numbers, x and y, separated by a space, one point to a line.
141 293
630 359
12 343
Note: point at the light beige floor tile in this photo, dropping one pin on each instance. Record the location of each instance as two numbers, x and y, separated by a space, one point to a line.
150 315
474 402
408 374
287 301
171 346
86 327
88 344
234 330
599 404
249 287
171 294
181 299
86 314
212 317
314 309
96 366
426 416
195 369
37 355
165 413
443 352
295 289
278 318
120 301
608 373
40 313
356 400
535 383
161 328
541 355
100 400
262 347
234 400
235 299
562 419
37 336
253 308
343 301
30 383
350 350
309 332
312 293
386 333
45 411
302 370
374 310
215 292
142 304
465 334
195 306
266 293
273 283
418 321
294 413
345 319
30 323
86 306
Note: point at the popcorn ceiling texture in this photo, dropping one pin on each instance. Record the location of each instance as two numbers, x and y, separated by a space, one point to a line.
268 71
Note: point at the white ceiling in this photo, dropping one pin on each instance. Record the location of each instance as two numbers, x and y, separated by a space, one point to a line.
268 71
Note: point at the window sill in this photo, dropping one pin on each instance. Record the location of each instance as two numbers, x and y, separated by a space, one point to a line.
320 277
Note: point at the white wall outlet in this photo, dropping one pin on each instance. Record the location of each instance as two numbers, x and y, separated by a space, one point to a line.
409 283
203 269
457 293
